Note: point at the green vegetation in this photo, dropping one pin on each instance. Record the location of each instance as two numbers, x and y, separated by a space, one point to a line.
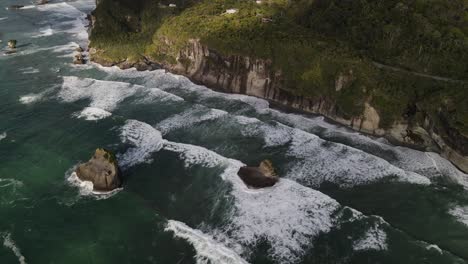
312 43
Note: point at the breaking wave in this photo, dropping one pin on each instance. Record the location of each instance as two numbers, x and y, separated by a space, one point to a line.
3 136
144 140
460 213
208 250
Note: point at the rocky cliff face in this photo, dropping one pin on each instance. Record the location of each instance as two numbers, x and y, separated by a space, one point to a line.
257 77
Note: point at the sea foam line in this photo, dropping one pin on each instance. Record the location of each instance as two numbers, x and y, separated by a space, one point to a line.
3 136
208 250
10 244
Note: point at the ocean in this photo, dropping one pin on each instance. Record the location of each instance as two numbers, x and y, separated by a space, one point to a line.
343 197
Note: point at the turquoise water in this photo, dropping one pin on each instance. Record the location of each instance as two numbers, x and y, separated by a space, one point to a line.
343 197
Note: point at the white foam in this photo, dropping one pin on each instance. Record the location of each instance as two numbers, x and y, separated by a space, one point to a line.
93 114
189 118
44 32
165 80
10 182
75 23
29 70
434 247
86 188
196 155
144 140
3 136
287 215
318 161
460 213
208 250
3 18
430 165
30 98
10 244
155 94
104 95
374 239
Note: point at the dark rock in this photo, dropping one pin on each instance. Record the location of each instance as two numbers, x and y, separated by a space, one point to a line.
79 59
259 177
102 170
15 7
42 2
12 44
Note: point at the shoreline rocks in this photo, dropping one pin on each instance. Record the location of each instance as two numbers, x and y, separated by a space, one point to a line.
79 59
102 170
259 177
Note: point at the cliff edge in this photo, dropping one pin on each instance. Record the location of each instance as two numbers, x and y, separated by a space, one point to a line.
390 68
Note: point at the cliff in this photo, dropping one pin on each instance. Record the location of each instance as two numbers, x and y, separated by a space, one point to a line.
257 49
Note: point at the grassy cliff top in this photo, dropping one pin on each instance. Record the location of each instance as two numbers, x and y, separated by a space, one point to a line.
313 41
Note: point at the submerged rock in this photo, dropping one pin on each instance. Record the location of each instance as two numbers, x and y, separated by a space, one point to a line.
259 177
102 170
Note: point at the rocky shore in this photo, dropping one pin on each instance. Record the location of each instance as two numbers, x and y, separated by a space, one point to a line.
420 125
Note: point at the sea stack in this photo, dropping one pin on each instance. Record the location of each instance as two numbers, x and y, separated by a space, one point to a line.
259 177
12 44
102 170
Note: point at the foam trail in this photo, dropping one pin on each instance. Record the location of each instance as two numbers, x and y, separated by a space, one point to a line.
10 244
104 95
29 70
75 25
45 32
189 118
93 114
144 140
319 159
374 239
460 213
3 136
3 18
30 98
165 80
10 182
208 250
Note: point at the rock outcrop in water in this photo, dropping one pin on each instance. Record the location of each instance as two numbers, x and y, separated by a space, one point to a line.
79 59
259 177
12 44
102 170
